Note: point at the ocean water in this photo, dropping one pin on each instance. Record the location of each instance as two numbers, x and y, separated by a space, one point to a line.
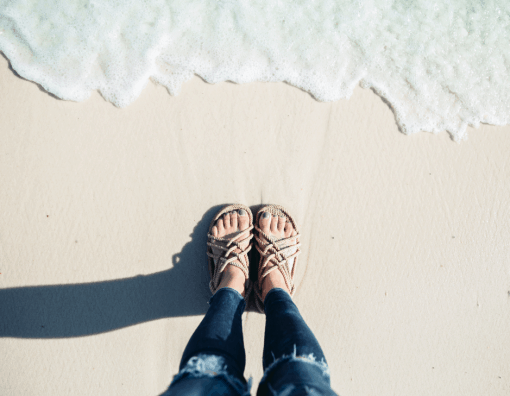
441 65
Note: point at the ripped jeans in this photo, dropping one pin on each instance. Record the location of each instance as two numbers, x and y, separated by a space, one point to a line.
214 360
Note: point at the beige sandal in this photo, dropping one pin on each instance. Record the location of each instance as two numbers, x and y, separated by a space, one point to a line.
275 253
218 262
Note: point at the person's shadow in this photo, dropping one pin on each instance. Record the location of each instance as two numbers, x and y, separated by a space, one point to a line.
75 310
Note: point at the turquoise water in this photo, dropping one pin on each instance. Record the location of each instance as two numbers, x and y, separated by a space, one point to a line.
440 65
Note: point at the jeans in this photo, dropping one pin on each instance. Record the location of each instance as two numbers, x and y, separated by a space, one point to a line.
214 360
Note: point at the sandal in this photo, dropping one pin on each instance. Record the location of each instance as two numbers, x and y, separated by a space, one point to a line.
227 246
276 253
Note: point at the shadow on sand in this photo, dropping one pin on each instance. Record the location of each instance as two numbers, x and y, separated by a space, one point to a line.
74 310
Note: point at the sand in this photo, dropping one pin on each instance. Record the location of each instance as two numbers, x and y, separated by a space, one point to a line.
405 275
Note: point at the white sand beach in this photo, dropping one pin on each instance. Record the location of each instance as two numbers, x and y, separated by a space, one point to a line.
405 271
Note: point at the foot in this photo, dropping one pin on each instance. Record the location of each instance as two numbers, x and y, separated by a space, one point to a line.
229 226
277 228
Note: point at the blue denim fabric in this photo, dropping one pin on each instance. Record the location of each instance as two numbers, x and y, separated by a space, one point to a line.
206 375
293 361
214 360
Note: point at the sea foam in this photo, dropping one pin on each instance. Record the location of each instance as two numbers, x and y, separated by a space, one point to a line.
440 65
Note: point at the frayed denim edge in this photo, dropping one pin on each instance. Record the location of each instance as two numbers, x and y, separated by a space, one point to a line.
211 366
293 357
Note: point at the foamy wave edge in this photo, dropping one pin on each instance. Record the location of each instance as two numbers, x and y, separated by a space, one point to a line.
438 66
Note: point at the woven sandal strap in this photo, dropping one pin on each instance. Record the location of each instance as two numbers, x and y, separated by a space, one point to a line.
277 259
274 249
236 260
283 267
228 246
231 243
272 253
272 239
275 245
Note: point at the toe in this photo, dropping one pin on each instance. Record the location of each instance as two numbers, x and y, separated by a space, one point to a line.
220 227
281 224
274 224
287 230
243 220
226 220
265 222
287 227
215 231
234 220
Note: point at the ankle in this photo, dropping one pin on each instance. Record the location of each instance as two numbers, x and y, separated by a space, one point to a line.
234 278
272 281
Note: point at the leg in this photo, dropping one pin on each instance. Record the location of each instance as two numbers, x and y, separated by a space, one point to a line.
293 360
214 359
213 362
294 363
286 331
221 332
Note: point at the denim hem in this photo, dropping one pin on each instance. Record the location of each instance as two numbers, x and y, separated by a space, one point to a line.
275 290
227 288
310 359
212 366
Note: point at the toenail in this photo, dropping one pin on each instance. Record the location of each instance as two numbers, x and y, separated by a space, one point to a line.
241 212
266 215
